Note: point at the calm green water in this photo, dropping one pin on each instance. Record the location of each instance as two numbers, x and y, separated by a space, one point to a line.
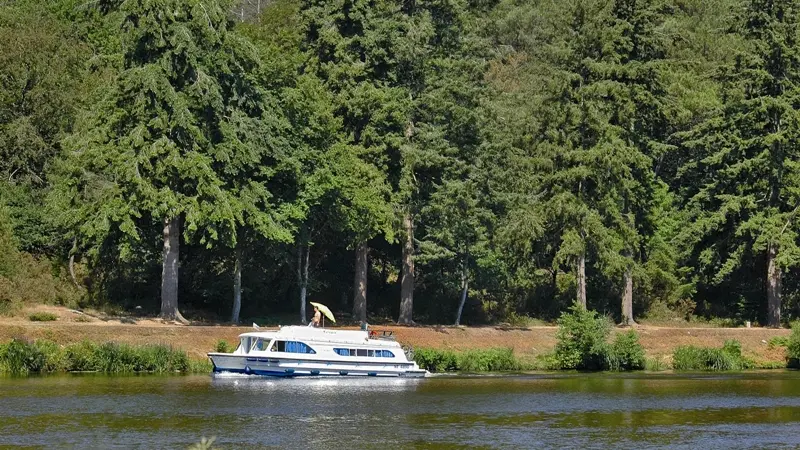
755 410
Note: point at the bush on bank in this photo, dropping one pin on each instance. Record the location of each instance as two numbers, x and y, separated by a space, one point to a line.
583 344
793 347
729 357
488 360
21 358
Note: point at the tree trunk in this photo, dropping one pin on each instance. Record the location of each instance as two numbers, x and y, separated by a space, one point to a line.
627 298
582 279
237 285
773 288
407 279
169 270
360 283
302 275
72 263
464 287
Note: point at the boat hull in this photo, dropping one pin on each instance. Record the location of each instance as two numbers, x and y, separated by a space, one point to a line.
292 367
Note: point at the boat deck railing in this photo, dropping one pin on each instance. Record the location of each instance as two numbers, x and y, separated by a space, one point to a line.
385 335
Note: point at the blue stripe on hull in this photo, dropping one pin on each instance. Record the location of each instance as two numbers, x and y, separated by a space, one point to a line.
283 374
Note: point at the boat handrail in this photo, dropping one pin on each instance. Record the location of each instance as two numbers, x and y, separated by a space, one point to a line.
386 335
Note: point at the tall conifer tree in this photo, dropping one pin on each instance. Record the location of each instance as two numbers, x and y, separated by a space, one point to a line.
351 46
184 135
743 184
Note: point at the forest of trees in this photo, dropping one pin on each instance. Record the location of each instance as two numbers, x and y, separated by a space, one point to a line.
433 161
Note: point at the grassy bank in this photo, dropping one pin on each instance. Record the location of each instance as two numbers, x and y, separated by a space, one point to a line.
532 347
21 357
584 343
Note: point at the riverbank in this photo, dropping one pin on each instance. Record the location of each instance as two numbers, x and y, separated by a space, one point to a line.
527 343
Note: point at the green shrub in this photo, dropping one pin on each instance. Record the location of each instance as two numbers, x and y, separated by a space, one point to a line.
488 360
523 321
42 316
583 344
55 358
115 358
161 358
223 347
81 356
733 348
793 347
626 353
778 341
436 360
199 366
20 357
729 357
582 340
655 364
8 307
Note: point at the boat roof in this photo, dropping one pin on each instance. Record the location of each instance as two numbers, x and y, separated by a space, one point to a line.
311 334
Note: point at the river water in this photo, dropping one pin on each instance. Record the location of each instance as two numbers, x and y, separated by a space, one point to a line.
700 411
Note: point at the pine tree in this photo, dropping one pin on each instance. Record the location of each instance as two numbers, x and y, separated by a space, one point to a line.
441 66
742 182
351 46
184 135
599 123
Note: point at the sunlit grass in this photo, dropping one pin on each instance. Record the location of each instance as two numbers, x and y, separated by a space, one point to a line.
488 360
22 357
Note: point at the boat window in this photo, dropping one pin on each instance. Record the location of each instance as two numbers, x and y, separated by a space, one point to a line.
260 345
363 352
244 343
292 347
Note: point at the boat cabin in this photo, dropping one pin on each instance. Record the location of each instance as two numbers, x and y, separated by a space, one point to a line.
310 341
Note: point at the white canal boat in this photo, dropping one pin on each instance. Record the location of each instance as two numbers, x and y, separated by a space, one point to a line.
294 351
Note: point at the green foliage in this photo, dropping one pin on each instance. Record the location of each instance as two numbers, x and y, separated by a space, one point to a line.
81 356
778 341
8 244
199 366
36 281
223 346
41 316
744 190
583 344
729 357
524 321
655 364
20 357
643 137
55 358
793 347
436 360
626 353
41 65
581 339
488 360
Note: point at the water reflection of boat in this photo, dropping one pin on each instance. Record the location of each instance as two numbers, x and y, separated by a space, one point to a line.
304 351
